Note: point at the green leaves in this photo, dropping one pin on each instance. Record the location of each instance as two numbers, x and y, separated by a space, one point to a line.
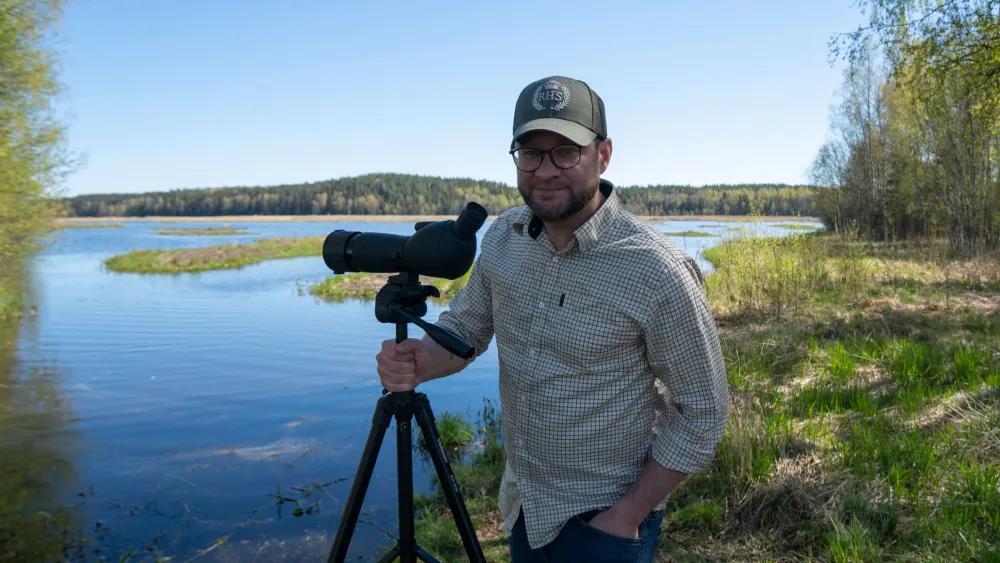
31 157
917 144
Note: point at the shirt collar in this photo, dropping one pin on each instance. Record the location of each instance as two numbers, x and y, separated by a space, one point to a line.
589 233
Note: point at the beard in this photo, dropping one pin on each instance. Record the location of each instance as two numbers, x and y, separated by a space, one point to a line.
552 212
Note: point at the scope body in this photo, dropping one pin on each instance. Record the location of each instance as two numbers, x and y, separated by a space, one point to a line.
438 249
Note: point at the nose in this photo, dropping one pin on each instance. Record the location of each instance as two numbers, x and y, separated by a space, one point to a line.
547 170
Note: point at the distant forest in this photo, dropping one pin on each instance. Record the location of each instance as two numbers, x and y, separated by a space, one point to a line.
401 194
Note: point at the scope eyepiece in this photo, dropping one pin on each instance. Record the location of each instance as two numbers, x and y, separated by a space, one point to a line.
470 220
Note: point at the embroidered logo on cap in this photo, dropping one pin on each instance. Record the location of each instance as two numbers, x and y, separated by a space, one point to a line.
552 95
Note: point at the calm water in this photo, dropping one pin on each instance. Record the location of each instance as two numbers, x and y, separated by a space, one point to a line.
183 404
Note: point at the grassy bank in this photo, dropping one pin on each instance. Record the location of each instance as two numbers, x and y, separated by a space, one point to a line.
10 302
103 225
190 260
865 383
362 285
797 226
688 234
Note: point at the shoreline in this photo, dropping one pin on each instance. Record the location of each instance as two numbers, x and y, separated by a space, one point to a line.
393 219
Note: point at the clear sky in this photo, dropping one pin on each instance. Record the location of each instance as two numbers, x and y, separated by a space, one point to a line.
165 94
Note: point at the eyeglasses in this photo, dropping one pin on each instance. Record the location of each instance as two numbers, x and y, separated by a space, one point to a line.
563 156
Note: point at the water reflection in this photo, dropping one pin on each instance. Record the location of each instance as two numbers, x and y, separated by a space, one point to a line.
36 450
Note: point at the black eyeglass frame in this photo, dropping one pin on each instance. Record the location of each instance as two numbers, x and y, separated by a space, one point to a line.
579 155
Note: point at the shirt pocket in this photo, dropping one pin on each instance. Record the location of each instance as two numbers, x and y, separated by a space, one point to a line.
596 332
512 313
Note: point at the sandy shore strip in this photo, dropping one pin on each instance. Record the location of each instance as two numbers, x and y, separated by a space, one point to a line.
388 218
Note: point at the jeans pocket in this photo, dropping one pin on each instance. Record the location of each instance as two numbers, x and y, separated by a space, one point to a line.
587 528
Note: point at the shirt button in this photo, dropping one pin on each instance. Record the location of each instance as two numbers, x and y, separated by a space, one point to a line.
555 258
531 352
541 305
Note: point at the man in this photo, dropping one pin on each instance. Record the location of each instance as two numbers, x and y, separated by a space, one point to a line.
612 381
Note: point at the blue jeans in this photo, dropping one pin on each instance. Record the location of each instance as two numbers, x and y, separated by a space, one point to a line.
578 541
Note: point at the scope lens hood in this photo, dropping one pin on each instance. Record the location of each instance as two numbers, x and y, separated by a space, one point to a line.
335 250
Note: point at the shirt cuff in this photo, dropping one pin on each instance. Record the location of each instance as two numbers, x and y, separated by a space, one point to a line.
683 449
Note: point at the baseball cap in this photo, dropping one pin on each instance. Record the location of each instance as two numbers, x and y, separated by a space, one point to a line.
562 105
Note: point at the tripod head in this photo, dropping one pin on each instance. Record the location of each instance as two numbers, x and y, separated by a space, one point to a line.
404 299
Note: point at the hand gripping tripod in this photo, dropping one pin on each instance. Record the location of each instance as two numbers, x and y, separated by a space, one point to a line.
403 300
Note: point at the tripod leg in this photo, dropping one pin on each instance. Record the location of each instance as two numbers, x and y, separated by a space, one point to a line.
425 418
390 555
380 422
404 462
425 557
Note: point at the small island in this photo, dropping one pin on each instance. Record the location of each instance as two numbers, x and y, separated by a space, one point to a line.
233 256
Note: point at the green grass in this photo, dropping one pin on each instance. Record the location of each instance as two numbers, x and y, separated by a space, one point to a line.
191 260
701 514
10 304
908 375
202 231
877 447
455 431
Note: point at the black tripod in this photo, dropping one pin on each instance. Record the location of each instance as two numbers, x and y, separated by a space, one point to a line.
403 300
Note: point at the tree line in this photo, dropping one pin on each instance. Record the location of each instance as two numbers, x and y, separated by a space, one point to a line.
404 194
914 150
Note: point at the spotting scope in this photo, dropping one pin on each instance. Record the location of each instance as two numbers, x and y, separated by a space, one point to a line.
438 249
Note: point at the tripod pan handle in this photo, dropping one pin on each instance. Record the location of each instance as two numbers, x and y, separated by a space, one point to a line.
446 338
451 341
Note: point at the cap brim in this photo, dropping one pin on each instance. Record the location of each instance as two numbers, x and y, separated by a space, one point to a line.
572 131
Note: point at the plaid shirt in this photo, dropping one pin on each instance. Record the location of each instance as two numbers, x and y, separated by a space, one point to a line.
608 356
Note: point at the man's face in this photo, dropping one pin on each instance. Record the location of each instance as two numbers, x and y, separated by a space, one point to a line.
554 193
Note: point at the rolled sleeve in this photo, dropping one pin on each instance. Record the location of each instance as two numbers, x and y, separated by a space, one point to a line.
470 311
685 354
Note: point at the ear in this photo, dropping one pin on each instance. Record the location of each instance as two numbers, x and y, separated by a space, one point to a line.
604 154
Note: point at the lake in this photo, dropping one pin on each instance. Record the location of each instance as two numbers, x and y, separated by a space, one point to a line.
181 409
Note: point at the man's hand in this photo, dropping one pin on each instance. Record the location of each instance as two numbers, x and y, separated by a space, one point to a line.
615 523
402 367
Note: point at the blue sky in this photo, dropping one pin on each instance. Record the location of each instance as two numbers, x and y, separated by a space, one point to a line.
165 94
